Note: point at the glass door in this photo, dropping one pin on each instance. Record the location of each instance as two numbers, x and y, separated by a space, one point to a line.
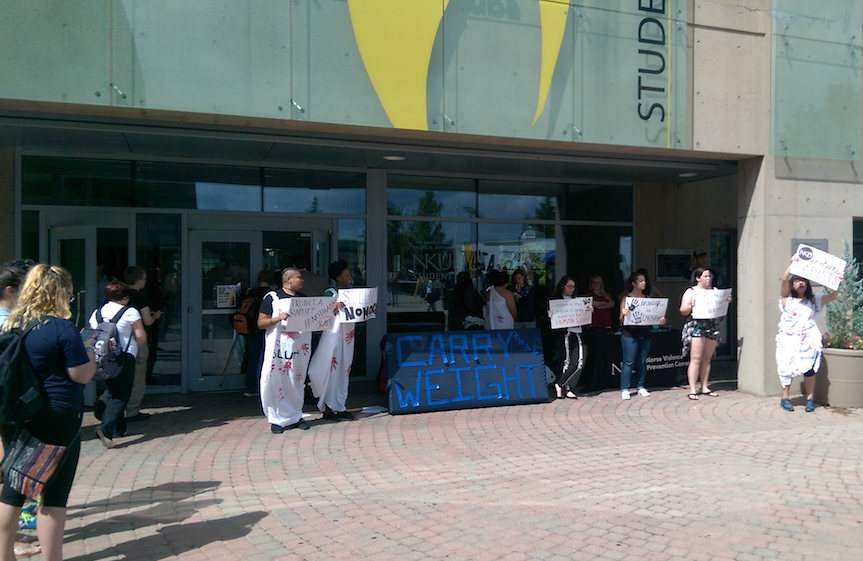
222 265
74 248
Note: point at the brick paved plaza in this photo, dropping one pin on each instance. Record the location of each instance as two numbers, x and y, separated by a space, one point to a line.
659 478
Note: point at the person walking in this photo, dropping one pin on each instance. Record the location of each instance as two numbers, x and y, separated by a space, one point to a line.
798 343
63 365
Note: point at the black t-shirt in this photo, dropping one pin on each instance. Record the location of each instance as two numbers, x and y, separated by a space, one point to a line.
52 348
267 304
139 300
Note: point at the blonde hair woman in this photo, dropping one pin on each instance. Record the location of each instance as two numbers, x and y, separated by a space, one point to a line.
63 366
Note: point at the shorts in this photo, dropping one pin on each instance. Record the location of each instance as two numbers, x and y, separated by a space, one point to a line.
707 328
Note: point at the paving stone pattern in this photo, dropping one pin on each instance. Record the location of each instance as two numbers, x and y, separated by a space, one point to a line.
658 478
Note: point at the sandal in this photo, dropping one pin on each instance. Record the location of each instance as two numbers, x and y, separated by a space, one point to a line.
570 395
711 393
28 551
693 396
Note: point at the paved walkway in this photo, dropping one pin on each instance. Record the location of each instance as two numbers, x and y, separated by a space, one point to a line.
658 478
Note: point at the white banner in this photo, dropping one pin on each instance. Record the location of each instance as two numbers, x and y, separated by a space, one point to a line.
818 266
310 314
711 304
645 311
361 304
570 312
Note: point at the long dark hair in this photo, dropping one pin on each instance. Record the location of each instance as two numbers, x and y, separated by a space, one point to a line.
558 290
697 272
642 271
807 293
630 281
12 273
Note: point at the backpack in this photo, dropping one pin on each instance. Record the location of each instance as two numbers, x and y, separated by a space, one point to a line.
20 389
105 340
433 295
245 321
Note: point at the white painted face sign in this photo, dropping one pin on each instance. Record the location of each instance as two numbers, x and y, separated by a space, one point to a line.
645 311
711 304
570 312
361 304
310 314
818 266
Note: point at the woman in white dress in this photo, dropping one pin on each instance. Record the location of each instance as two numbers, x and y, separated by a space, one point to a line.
798 343
501 303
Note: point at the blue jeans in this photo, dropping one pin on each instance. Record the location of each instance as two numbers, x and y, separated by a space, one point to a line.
634 351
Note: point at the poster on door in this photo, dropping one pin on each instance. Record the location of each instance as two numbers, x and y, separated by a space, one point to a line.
226 295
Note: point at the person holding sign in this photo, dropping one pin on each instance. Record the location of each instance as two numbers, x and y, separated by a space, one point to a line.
798 343
330 368
635 339
705 332
286 356
570 346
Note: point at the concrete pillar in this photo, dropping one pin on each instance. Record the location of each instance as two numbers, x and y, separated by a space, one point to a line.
7 204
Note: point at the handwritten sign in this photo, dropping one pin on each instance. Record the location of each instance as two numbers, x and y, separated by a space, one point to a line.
226 295
645 311
818 266
310 314
570 312
361 304
711 304
436 371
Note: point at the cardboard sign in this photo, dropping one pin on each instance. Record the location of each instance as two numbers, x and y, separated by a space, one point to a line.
711 304
645 311
361 304
818 266
570 312
226 295
310 314
436 371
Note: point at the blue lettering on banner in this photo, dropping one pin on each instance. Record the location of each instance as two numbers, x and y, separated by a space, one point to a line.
438 371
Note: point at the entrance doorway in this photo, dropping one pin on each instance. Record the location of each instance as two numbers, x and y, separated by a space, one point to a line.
224 264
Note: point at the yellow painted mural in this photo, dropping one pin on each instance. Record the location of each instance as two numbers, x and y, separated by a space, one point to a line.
553 14
395 39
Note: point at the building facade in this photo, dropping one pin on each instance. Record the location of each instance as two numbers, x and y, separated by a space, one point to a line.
417 140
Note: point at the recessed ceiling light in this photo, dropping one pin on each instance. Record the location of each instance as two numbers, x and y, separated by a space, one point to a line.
394 158
690 174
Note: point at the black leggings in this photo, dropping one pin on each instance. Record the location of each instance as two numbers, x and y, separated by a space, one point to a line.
573 352
120 388
52 425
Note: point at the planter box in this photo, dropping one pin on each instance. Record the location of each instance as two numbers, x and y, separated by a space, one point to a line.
839 382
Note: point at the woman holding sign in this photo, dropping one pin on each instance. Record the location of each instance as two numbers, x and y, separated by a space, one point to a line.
798 343
330 368
570 346
635 339
705 332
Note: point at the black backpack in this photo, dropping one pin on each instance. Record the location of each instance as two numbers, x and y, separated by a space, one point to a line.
20 388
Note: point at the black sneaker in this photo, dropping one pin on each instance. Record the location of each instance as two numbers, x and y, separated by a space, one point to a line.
99 409
301 424
345 415
277 429
331 416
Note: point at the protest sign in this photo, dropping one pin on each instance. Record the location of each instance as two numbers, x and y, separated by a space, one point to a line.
570 312
711 304
645 311
436 371
818 266
310 314
361 304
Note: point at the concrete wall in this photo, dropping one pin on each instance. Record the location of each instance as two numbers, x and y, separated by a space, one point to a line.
7 204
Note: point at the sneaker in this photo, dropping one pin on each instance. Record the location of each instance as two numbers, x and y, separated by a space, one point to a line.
106 442
330 416
301 424
138 417
624 394
345 415
810 405
99 409
643 392
250 394
786 404
277 429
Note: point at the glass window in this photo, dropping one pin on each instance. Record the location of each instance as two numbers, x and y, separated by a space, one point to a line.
314 191
599 202
409 195
158 251
170 185
76 182
352 248
30 235
518 199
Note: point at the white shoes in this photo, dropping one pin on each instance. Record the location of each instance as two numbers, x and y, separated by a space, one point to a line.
643 392
624 394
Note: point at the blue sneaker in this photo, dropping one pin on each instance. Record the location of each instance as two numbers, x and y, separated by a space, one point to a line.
786 404
810 405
